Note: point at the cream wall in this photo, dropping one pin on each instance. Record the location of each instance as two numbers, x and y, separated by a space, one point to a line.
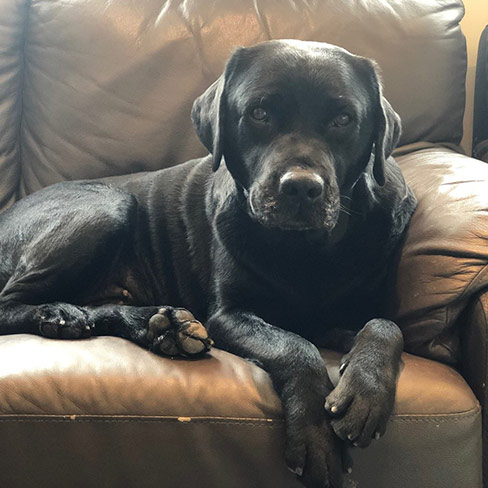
472 25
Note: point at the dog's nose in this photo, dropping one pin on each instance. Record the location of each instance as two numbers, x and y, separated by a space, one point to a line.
302 184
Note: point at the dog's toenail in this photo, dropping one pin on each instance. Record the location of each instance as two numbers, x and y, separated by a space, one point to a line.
62 322
87 327
125 293
377 435
334 409
297 471
349 470
350 437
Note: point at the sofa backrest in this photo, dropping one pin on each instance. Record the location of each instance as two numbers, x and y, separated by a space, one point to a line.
90 88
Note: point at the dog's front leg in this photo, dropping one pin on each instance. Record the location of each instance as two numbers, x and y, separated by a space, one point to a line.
300 378
363 400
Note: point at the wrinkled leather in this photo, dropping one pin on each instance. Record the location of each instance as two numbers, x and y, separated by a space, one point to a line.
107 86
130 418
444 258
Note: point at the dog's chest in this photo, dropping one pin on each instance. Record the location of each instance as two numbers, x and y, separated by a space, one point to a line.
306 292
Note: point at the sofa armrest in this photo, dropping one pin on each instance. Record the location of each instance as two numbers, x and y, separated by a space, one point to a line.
444 260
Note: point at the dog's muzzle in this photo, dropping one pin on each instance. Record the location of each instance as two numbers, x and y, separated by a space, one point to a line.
297 200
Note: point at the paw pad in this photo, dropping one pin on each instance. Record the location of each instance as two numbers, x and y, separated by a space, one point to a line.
174 332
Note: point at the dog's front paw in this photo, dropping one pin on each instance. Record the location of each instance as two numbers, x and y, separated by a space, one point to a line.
62 321
312 452
174 331
362 402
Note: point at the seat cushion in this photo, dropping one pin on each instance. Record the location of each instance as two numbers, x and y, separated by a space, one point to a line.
105 412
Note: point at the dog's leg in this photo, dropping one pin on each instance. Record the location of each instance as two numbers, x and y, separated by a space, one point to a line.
363 400
300 378
164 330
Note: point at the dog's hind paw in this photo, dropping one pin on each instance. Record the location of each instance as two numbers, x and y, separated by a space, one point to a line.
62 321
176 332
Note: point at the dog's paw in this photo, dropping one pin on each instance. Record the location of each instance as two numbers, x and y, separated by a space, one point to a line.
312 451
62 321
313 454
361 403
176 332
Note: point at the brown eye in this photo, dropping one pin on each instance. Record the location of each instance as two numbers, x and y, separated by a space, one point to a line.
258 113
342 120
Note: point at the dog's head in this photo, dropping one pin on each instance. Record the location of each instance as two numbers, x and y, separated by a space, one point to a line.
297 124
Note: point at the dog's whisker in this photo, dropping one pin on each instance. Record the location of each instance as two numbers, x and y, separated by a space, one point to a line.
347 211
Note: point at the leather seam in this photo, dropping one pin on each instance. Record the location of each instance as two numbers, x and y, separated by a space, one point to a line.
218 420
142 420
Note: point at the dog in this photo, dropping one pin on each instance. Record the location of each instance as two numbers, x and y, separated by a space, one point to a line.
280 237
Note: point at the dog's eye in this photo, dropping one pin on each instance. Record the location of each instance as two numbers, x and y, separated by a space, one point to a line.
259 113
341 120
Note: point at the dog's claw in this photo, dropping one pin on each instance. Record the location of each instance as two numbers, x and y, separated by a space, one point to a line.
297 471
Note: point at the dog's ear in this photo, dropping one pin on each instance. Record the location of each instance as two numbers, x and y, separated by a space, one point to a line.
208 113
387 122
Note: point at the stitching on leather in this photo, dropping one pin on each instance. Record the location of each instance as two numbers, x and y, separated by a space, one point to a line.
274 424
437 419
222 421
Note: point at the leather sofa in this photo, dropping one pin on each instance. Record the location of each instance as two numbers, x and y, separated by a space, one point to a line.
92 88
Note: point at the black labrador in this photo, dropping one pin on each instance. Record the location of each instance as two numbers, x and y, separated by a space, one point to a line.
283 234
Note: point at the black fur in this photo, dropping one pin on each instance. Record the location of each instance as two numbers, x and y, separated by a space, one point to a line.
270 269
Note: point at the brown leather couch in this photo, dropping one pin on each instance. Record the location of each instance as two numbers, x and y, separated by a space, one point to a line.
91 88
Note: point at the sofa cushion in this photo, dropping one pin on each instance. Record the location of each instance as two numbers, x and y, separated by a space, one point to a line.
104 409
107 87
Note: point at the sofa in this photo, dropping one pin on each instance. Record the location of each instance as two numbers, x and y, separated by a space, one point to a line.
95 88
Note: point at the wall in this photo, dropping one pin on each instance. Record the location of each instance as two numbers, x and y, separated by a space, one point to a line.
473 24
